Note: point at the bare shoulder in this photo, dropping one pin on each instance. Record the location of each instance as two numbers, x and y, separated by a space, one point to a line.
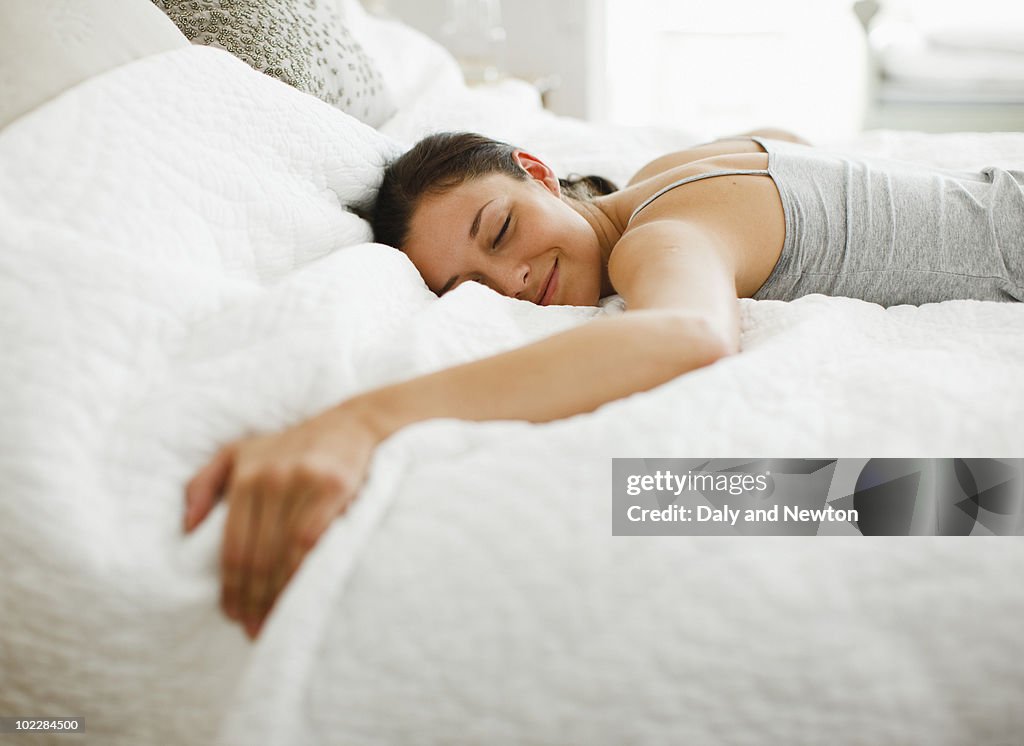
625 201
739 215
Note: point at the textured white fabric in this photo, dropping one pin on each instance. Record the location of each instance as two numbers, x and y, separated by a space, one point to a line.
171 235
492 605
179 269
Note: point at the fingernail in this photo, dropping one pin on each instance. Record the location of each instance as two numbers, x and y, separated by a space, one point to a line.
252 629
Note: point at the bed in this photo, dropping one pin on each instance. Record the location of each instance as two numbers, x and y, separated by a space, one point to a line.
180 264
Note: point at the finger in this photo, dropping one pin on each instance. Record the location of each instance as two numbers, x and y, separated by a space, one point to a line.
206 486
251 553
265 555
304 521
234 547
308 523
279 574
307 530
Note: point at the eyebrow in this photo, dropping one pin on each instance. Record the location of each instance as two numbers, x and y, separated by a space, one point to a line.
447 285
474 229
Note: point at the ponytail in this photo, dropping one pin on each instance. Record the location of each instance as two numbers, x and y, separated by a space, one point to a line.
586 187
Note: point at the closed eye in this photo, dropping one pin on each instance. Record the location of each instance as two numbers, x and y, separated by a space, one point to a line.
455 281
485 281
475 278
501 233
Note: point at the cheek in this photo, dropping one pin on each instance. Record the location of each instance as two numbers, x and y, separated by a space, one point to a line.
556 225
569 230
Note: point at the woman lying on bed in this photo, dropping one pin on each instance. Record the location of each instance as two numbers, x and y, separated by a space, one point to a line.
749 217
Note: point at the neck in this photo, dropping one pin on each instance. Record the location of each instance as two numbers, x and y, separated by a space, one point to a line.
607 230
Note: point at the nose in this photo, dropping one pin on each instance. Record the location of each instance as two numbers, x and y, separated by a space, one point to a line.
517 279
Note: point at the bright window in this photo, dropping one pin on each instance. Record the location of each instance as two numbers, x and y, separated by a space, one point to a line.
731 65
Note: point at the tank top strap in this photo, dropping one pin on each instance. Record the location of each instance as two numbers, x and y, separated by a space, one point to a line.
697 177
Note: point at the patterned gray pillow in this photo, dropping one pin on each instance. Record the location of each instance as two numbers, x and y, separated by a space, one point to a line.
304 43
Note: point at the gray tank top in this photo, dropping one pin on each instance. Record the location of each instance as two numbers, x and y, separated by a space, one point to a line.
890 232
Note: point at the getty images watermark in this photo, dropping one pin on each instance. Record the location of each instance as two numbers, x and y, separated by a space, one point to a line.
791 497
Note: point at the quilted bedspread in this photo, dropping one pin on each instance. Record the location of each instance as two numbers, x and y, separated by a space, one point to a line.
179 266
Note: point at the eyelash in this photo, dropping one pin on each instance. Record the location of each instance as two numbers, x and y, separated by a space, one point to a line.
494 246
501 233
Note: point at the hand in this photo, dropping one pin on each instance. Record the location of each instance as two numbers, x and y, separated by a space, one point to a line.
282 490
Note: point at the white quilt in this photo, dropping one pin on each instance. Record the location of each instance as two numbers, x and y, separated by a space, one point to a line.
177 268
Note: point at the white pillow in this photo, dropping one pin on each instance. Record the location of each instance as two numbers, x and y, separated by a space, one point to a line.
305 43
47 46
413 65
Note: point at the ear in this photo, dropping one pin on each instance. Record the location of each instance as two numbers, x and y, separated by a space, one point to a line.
538 170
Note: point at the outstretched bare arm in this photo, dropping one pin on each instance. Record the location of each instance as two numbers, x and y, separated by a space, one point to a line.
283 490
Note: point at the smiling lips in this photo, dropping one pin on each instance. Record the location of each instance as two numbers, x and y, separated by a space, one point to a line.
550 286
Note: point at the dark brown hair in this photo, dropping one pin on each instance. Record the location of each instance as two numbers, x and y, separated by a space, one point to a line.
444 160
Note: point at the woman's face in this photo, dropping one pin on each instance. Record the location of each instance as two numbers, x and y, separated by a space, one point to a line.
516 236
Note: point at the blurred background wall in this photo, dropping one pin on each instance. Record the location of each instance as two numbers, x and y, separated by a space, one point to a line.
824 68
559 44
